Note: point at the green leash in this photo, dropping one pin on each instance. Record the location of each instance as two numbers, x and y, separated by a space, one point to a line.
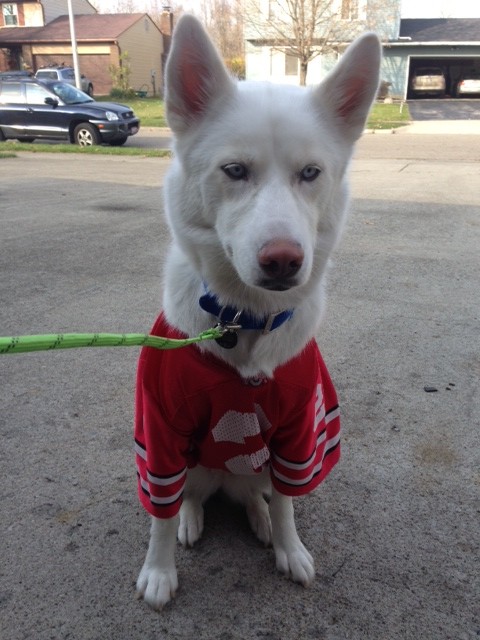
48 342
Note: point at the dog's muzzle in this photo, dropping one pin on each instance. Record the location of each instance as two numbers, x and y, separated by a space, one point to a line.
280 261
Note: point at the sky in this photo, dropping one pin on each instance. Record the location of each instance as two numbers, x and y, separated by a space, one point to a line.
440 9
410 8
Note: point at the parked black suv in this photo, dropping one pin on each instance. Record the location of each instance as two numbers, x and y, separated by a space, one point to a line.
31 109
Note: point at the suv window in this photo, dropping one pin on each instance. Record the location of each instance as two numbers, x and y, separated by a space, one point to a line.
36 94
68 74
47 75
11 92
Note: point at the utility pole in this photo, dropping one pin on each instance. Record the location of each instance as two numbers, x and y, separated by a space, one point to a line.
76 66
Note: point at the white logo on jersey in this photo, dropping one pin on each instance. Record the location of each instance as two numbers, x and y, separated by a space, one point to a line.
319 407
248 464
235 426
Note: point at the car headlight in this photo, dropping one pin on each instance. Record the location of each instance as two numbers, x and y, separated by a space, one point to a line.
110 115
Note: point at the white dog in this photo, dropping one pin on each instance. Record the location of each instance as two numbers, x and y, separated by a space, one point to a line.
255 198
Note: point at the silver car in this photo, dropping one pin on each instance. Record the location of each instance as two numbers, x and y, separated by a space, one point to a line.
64 74
469 84
428 81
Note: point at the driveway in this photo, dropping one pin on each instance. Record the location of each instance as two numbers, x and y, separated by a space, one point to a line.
394 529
461 109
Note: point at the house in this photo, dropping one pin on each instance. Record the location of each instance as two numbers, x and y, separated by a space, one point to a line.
269 41
102 41
37 13
30 13
450 43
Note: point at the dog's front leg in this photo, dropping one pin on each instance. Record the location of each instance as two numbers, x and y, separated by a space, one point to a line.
292 557
157 582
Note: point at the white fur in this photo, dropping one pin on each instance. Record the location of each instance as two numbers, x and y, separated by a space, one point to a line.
220 227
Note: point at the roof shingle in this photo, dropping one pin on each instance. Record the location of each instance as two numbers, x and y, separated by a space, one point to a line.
87 27
441 29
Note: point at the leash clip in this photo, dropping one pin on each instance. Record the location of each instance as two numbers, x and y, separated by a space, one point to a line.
229 338
232 326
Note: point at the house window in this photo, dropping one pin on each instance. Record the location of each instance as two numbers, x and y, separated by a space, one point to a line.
272 9
291 64
350 10
10 15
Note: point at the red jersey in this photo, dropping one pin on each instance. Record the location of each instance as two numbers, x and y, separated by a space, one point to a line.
192 408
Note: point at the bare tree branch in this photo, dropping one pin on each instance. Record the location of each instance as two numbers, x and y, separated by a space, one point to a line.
307 29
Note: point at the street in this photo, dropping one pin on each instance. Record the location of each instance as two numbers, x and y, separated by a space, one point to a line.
445 109
151 138
394 529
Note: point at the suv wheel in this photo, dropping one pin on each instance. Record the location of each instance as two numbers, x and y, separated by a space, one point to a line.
86 135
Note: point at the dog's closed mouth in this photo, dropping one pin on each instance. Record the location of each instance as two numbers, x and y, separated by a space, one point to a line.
277 285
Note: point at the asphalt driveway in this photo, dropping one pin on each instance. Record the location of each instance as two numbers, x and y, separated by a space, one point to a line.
432 109
394 529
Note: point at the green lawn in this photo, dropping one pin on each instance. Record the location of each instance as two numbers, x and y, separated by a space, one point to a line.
383 116
388 116
9 147
149 110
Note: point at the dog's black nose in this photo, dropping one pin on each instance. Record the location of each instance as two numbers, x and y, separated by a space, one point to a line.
280 259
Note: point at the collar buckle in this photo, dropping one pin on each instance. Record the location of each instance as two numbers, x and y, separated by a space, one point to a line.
270 320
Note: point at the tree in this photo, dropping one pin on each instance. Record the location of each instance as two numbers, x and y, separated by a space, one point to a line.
306 29
223 19
303 29
120 75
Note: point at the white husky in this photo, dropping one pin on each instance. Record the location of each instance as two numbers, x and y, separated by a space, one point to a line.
256 198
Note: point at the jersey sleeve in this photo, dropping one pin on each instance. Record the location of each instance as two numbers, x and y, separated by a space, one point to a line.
160 450
306 448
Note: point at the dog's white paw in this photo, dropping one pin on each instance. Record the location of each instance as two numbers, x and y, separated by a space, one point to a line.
296 562
157 586
190 528
259 519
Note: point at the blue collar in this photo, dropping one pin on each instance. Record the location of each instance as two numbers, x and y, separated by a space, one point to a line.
226 314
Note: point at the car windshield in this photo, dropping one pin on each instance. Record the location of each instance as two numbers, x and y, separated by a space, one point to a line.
69 94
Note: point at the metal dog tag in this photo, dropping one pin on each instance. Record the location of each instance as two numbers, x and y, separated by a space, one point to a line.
228 340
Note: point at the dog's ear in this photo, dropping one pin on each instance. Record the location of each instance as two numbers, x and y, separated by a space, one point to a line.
195 75
350 89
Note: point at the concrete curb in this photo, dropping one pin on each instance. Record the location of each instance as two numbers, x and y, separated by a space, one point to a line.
435 127
462 127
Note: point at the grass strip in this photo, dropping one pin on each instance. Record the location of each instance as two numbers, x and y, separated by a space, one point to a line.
12 146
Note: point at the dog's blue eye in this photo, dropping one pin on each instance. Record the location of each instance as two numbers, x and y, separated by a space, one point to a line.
310 173
235 171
